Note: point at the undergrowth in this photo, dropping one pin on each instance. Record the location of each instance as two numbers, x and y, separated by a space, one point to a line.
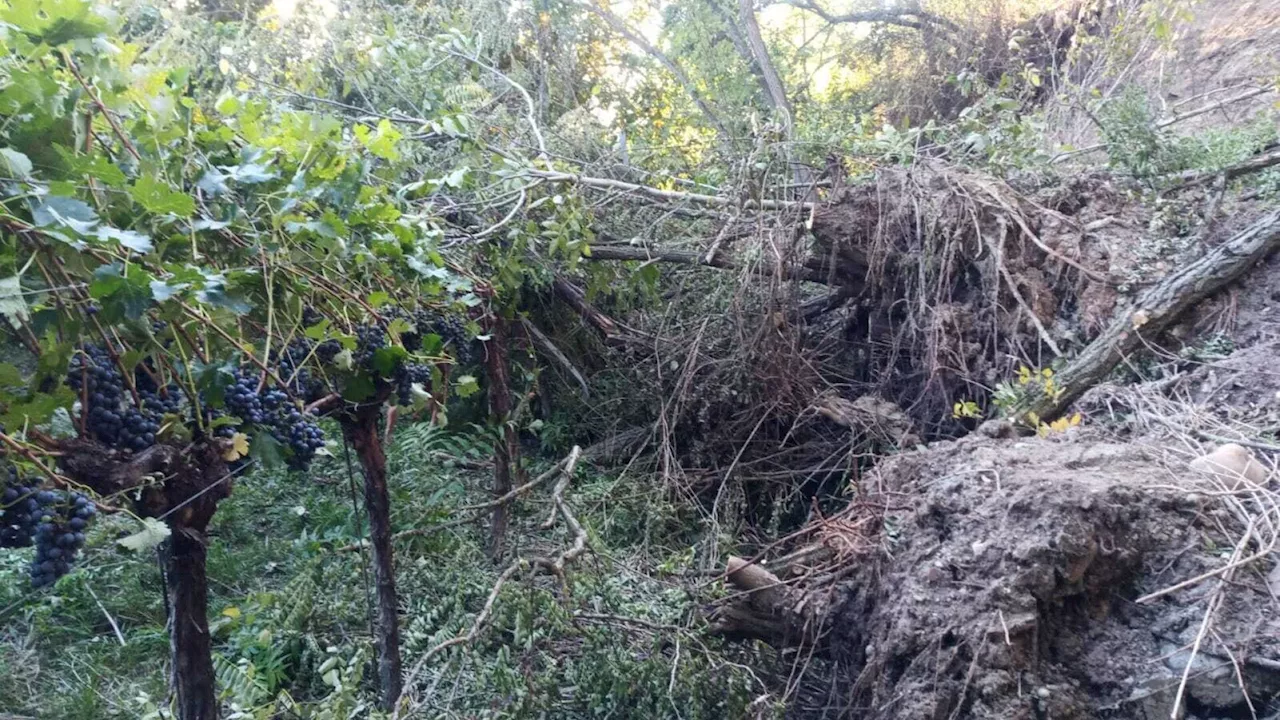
290 618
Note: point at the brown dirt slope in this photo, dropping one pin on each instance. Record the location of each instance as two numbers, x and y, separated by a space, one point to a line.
1008 582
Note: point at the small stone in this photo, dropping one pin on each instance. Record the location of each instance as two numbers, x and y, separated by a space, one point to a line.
1043 693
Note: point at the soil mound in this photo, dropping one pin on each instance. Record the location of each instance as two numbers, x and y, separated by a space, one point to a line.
1010 583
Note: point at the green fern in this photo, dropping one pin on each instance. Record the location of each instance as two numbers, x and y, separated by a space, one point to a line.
240 682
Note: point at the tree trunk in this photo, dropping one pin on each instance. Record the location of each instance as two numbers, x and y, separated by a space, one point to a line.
182 559
361 430
777 94
506 451
1155 310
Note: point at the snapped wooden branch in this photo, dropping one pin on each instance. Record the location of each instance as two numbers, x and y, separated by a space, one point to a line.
659 194
1257 163
549 349
811 269
763 608
576 298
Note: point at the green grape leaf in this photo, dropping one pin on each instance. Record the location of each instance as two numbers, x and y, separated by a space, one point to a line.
161 291
12 304
16 164
135 241
53 21
358 387
385 360
38 409
153 533
466 386
64 211
432 344
318 331
158 198
11 378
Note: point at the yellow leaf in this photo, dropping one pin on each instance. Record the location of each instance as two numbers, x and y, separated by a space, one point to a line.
232 612
1075 419
239 447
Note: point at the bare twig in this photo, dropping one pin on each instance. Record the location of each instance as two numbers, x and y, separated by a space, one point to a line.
1207 621
111 620
666 195
478 510
530 107
556 566
1017 295
905 17
464 639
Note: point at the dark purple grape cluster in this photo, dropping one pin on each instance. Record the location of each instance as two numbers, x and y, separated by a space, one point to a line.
111 416
299 432
273 411
59 535
450 328
311 317
453 331
53 520
292 368
408 374
167 403
328 350
95 378
20 511
241 399
138 429
369 340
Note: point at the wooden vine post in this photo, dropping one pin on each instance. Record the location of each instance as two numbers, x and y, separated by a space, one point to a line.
182 558
506 451
197 479
360 427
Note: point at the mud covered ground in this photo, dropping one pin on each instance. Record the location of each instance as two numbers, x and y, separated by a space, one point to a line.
1008 582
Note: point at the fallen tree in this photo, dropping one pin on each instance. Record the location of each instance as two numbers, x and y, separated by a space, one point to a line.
1152 313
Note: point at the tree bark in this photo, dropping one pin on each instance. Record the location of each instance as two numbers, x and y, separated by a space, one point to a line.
182 558
506 451
1154 311
361 430
772 81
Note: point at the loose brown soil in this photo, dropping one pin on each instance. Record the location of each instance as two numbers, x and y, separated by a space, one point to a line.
1007 584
